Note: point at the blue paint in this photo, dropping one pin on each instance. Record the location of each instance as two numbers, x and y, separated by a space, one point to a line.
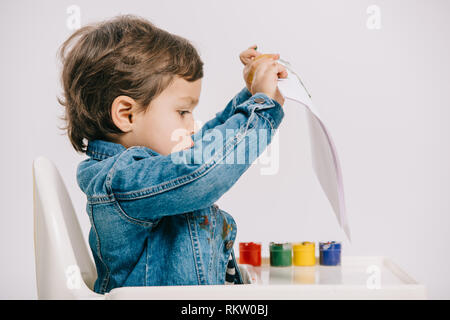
330 253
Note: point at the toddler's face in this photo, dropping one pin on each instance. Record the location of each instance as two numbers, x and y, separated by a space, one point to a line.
168 123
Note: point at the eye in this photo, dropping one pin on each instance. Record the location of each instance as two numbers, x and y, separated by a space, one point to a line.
182 112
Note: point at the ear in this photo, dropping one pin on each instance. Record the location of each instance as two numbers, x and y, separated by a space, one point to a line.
123 110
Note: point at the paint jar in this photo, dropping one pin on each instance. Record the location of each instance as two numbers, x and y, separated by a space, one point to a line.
304 253
280 254
250 253
330 253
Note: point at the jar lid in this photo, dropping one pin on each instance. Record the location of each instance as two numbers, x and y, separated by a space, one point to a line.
275 246
330 245
305 245
249 245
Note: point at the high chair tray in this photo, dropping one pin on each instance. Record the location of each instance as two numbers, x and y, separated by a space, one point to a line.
357 277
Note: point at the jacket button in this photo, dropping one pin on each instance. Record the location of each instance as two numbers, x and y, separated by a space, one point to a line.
229 244
259 100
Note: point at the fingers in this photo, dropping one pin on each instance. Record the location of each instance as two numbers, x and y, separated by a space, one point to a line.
281 71
252 59
275 67
248 55
265 57
255 64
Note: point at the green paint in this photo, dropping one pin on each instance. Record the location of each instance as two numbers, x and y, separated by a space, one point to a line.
280 254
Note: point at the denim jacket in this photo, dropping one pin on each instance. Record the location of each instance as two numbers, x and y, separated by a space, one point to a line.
153 217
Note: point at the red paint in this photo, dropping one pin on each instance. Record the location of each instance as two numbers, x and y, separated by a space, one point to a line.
205 221
250 253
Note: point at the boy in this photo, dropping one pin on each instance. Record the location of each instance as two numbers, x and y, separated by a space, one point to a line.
152 182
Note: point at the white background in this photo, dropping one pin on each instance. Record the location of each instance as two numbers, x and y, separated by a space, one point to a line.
383 93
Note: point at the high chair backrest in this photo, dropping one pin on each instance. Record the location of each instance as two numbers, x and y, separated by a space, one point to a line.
64 268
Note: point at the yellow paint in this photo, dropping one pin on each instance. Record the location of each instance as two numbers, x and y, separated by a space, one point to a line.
304 254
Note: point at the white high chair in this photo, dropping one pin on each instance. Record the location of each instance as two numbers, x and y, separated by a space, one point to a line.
64 268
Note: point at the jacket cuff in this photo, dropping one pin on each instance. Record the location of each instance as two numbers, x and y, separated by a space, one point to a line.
268 107
242 96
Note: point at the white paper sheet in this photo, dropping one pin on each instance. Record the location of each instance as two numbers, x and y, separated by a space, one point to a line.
325 160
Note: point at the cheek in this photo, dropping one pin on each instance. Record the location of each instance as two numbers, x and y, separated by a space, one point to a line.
177 131
181 137
153 129
171 125
170 133
165 133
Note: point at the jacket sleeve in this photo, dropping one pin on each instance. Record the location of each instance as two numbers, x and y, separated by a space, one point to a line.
149 186
223 115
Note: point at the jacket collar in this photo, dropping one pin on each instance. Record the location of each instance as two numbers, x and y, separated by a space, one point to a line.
101 149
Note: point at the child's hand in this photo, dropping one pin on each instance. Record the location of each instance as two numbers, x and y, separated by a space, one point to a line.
265 79
247 57
252 59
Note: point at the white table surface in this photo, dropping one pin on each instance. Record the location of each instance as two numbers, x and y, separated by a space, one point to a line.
356 278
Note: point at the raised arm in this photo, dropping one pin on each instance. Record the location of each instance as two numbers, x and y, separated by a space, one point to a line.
149 187
224 114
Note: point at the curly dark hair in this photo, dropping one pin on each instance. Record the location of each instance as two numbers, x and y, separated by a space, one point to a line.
125 55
